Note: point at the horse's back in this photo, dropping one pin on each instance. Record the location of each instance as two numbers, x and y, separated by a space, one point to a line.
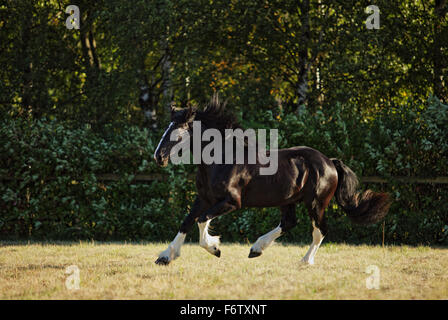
314 159
286 185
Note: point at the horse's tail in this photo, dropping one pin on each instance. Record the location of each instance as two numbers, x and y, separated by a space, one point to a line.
362 207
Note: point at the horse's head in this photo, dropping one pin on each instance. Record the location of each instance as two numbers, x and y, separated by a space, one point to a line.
181 124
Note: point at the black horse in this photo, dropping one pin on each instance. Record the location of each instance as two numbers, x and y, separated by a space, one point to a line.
303 175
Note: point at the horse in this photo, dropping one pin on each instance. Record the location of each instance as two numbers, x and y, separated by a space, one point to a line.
303 175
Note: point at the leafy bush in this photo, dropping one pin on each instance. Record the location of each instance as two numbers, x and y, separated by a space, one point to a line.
50 188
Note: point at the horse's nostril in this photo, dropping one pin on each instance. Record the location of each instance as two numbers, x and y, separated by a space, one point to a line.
159 159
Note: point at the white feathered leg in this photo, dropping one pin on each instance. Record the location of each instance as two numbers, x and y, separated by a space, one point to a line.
317 240
173 250
264 241
208 242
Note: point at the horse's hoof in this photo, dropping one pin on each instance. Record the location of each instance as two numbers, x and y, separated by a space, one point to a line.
307 262
218 253
254 254
163 261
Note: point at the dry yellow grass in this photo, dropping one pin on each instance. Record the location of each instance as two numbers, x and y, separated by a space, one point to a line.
127 271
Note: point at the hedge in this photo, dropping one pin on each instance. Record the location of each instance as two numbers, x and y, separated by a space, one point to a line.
52 191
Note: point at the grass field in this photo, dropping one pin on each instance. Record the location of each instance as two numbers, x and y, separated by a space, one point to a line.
127 271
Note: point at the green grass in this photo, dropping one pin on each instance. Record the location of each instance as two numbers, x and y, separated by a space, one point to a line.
127 271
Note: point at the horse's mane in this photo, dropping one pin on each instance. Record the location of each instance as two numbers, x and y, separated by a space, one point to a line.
215 115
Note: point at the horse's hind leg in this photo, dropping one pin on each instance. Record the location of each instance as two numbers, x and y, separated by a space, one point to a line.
173 250
288 221
316 212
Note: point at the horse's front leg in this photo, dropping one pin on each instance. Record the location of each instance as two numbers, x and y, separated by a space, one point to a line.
173 250
288 221
208 242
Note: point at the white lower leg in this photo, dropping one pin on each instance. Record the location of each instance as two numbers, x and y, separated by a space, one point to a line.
266 240
173 250
317 240
208 242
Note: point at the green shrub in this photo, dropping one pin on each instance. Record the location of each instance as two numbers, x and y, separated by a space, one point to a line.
50 188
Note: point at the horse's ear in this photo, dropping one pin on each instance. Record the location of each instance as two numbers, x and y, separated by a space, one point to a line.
191 114
173 108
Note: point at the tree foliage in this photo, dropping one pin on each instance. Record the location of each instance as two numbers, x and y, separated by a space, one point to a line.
259 54
53 191
78 102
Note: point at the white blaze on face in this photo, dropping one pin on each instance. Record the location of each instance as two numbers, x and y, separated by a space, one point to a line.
180 152
163 137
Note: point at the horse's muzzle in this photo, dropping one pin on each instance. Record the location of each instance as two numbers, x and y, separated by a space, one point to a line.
161 161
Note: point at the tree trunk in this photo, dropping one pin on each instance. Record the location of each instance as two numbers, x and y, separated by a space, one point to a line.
27 65
148 101
166 84
94 56
438 59
302 85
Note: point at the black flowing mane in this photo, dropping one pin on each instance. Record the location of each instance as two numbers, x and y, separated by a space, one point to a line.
217 116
